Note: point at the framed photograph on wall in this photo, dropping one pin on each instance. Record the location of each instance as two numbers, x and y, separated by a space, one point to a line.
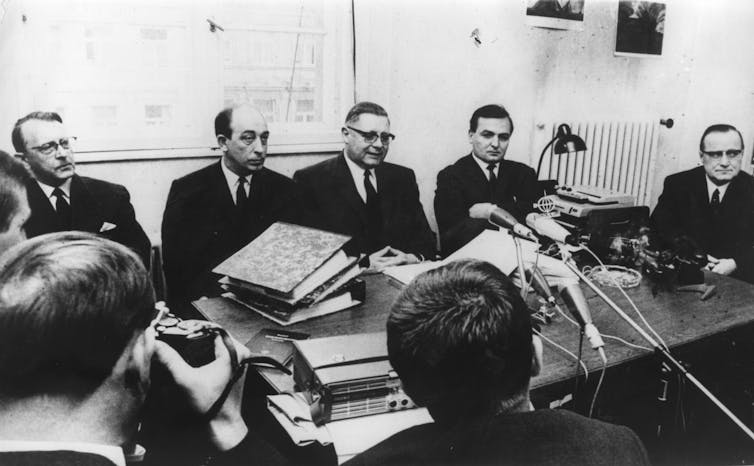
641 28
556 14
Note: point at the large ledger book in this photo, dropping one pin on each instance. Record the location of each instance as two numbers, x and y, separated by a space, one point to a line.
287 261
351 294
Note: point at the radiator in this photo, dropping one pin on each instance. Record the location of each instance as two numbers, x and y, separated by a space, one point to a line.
619 156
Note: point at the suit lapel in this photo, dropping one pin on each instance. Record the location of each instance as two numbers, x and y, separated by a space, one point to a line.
221 197
477 179
43 218
346 189
86 211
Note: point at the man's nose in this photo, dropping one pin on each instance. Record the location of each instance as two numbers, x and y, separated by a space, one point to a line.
495 142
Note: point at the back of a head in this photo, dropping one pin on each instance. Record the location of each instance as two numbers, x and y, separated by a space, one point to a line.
460 339
13 179
70 304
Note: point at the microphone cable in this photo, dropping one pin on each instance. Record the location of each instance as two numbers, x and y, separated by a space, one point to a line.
541 335
599 383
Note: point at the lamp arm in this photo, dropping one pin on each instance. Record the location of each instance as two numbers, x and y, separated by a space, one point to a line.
542 156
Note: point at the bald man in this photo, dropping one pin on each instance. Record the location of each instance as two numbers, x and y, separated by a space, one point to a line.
213 212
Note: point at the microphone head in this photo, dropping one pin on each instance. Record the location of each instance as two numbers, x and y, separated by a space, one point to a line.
575 301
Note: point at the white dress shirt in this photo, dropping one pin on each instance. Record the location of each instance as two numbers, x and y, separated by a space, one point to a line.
711 187
357 173
65 187
232 180
112 453
483 165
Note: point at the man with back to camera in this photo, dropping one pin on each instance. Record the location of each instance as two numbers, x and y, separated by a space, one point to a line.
460 338
61 200
215 211
76 348
357 193
475 184
14 206
713 205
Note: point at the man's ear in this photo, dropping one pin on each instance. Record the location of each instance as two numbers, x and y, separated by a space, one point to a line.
536 357
471 134
137 359
222 141
344 133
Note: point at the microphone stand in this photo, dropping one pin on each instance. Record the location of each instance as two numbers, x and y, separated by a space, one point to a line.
521 272
660 350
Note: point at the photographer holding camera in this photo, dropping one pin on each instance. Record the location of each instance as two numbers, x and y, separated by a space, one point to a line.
77 342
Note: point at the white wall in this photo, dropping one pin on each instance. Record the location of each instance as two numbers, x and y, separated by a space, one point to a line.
417 59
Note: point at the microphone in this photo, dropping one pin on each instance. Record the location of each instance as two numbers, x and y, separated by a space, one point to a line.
546 226
576 303
539 283
502 218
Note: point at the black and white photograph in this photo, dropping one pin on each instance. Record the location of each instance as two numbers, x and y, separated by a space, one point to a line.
362 232
641 28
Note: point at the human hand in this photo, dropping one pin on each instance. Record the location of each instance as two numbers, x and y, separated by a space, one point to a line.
724 266
202 386
481 210
388 257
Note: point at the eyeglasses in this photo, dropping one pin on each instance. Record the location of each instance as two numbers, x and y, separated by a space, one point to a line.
249 137
371 136
51 147
717 154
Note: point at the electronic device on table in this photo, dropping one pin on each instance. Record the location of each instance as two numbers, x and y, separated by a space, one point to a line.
347 376
579 201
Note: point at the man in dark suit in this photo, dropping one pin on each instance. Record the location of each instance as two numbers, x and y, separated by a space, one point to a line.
14 207
460 338
357 193
60 200
712 205
477 183
76 396
213 212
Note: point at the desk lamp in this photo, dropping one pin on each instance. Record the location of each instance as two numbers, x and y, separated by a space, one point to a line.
565 142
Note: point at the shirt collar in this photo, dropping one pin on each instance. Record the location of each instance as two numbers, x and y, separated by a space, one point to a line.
357 173
711 187
232 179
483 166
65 187
112 453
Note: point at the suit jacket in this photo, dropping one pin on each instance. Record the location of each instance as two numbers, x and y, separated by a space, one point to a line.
683 210
201 226
334 204
542 437
93 203
463 184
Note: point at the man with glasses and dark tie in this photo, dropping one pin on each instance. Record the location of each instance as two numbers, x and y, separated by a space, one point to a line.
477 183
61 200
215 211
357 193
712 205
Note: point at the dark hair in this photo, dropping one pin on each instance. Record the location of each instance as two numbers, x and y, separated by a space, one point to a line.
488 111
720 128
460 338
19 144
70 303
13 179
364 107
222 123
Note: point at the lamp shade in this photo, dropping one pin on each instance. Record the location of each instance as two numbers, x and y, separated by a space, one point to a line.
564 142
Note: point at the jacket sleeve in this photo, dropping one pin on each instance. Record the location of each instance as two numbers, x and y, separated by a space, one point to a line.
423 241
452 213
130 233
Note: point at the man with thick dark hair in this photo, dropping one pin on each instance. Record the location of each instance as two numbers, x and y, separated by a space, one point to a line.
712 205
14 207
60 200
460 338
477 183
215 211
358 194
76 348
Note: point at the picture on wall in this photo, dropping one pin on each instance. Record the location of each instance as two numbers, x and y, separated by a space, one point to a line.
641 28
556 14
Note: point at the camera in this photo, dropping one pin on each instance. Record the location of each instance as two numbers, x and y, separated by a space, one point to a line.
193 339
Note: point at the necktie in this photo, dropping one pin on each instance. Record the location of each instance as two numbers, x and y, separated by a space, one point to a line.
374 216
492 180
241 198
63 209
715 201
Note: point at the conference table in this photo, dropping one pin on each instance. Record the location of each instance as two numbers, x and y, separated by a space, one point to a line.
682 320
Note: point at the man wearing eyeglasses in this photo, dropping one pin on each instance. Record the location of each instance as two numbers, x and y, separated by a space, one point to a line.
357 193
477 183
215 211
712 205
61 200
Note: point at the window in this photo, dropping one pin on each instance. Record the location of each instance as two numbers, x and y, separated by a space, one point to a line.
151 75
